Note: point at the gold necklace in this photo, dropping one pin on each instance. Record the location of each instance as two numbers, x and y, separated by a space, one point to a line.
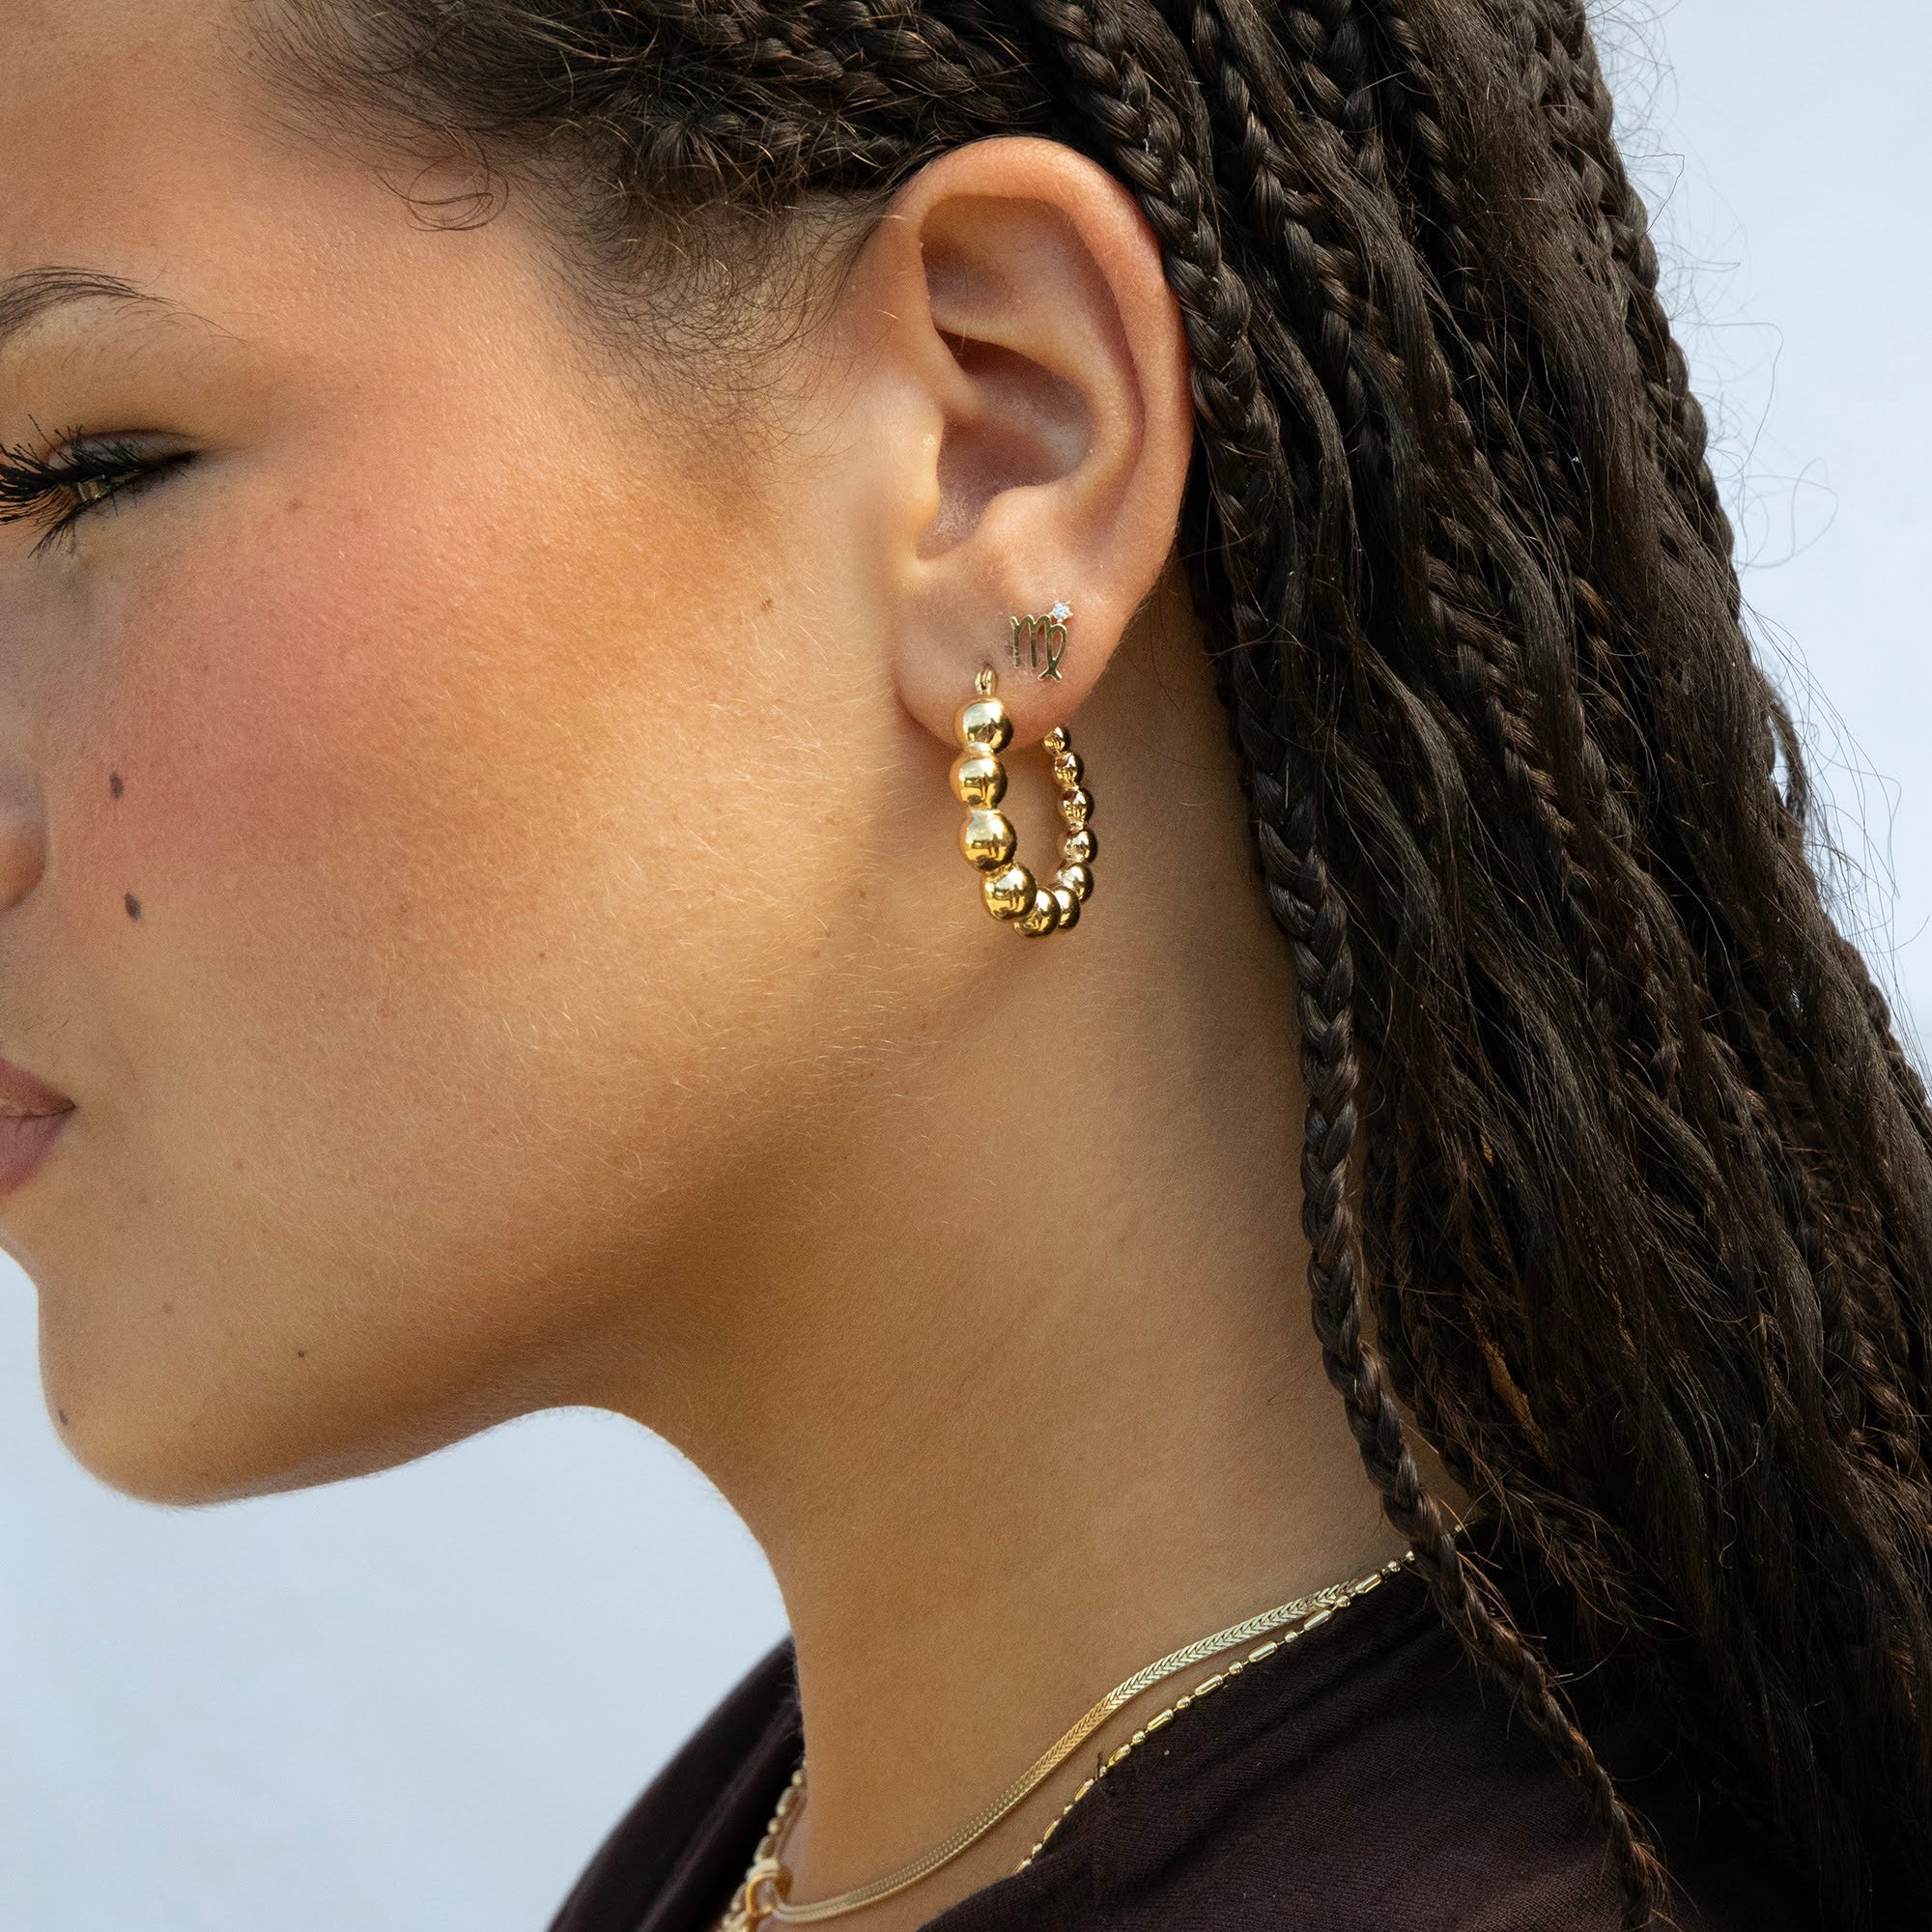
761 1892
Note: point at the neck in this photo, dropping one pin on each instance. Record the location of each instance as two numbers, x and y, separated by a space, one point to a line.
953 1620
1023 1393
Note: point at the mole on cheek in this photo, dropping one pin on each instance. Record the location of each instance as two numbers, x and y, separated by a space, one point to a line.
132 904
114 784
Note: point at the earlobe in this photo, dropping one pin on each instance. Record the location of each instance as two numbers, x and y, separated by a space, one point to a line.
1024 296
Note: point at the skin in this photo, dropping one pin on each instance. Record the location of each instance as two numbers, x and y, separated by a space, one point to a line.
557 979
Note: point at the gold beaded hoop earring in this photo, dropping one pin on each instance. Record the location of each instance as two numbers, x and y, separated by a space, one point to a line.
984 727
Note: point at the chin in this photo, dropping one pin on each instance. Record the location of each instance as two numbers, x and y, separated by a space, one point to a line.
158 1460
172 1439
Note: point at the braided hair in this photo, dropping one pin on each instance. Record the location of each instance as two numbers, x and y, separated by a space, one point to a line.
1643 1227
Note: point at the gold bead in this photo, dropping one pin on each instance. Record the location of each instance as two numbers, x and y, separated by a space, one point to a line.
1041 916
984 727
1008 893
988 839
978 778
983 724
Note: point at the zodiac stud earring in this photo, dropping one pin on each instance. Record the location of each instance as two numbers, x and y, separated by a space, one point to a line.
1052 626
984 728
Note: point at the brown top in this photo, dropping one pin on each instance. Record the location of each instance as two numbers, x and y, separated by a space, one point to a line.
1365 1778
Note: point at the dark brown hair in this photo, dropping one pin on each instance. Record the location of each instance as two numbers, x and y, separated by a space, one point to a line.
1645 1226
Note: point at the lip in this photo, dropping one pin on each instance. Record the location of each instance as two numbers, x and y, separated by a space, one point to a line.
22 1093
24 1141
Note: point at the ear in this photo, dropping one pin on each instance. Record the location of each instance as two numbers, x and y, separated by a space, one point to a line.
1032 440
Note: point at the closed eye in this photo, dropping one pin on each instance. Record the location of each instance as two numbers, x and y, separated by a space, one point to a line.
59 490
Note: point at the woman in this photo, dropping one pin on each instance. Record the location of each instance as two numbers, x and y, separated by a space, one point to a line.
538 537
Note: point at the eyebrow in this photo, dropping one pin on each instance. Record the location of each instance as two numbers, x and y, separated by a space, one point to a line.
34 292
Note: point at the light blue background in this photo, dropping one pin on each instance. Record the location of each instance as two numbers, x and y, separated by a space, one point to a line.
414 1703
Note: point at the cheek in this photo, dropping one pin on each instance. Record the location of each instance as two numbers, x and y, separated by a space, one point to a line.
415 945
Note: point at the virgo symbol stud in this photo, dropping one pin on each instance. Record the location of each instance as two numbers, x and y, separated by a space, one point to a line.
1032 629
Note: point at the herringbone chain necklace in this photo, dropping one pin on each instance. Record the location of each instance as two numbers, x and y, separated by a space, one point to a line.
761 1894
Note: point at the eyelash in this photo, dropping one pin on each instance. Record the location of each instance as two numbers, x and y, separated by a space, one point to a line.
31 483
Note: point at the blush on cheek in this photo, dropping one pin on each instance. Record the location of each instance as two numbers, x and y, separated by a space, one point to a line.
356 743
304 707
264 692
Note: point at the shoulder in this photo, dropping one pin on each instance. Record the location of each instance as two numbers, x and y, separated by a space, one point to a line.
1376 1777
1378 1781
676 1844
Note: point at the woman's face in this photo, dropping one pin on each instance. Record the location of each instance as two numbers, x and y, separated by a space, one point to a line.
382 790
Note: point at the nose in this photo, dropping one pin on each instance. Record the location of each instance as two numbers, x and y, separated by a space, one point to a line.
23 832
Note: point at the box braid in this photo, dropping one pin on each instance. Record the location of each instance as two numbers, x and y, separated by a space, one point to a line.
1310 910
1645 1198
1145 145
1580 105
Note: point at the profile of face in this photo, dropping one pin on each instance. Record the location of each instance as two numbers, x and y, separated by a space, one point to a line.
466 838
